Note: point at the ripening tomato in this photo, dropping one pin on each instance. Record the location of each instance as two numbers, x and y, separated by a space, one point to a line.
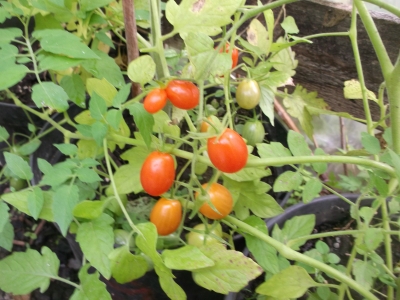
199 236
166 215
248 94
235 54
158 173
155 100
183 94
228 152
220 197
253 131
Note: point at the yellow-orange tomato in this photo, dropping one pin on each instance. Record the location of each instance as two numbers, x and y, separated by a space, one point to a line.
166 215
220 197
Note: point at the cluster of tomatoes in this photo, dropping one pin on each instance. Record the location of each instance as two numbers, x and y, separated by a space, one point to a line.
227 152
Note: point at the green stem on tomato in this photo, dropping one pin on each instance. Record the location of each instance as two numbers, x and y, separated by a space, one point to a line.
326 34
115 190
291 254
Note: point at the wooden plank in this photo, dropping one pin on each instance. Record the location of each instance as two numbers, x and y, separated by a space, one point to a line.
328 62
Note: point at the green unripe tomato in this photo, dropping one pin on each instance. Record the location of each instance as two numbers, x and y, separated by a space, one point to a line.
18 183
248 94
201 238
254 132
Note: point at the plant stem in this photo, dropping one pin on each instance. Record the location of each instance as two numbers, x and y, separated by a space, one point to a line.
318 35
382 4
112 181
291 254
388 243
322 235
68 282
357 58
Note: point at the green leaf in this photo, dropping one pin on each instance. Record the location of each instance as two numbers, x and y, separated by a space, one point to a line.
231 270
373 238
288 181
311 190
142 69
35 202
201 16
292 282
51 95
99 132
146 241
296 227
186 258
163 124
87 5
54 175
62 42
55 62
4 135
370 143
257 35
127 178
11 74
97 107
297 105
321 167
87 175
103 88
67 149
126 266
64 200
284 58
267 103
23 272
364 273
289 25
252 195
265 255
106 68
143 120
4 216
352 90
114 118
272 150
9 34
18 166
91 287
122 95
7 236
20 201
297 144
322 247
379 183
75 88
96 239
89 209
29 147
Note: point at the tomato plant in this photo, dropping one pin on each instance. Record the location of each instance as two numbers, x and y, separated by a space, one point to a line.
18 183
248 94
253 131
206 125
157 173
183 94
235 54
155 100
166 215
221 199
228 152
200 236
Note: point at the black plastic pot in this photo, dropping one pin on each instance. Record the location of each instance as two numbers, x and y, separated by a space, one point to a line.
329 209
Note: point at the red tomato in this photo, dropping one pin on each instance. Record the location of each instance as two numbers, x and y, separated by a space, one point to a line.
228 152
220 197
158 173
155 100
235 55
183 94
166 215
